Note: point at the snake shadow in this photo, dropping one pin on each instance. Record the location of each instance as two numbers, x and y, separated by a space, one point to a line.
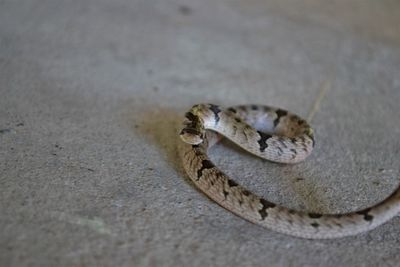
160 128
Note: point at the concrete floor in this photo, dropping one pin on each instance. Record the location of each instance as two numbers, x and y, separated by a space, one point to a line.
92 94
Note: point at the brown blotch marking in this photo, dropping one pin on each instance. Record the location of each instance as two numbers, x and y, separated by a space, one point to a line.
367 216
312 138
191 161
294 118
226 193
304 147
232 110
315 225
265 205
292 212
238 120
216 110
263 140
301 122
293 151
282 141
205 164
248 127
197 150
190 116
279 113
245 135
232 183
193 120
314 215
234 129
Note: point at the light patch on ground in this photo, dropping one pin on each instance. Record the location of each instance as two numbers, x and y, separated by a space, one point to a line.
96 224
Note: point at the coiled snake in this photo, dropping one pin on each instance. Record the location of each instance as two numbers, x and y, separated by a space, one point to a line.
276 135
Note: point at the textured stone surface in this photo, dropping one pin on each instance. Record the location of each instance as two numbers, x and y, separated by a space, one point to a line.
92 93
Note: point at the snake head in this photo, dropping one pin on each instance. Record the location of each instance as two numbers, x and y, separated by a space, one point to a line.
193 131
191 136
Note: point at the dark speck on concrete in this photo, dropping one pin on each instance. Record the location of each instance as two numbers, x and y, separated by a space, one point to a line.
185 10
2 131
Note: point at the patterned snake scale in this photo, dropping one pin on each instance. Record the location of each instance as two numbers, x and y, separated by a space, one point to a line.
276 135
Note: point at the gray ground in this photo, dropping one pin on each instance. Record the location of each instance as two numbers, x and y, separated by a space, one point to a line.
92 93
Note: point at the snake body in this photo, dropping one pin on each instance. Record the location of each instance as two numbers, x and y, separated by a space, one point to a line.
276 135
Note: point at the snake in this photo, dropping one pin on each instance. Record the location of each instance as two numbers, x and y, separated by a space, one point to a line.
276 135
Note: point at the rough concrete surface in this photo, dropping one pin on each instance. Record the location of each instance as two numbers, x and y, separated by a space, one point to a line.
92 94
